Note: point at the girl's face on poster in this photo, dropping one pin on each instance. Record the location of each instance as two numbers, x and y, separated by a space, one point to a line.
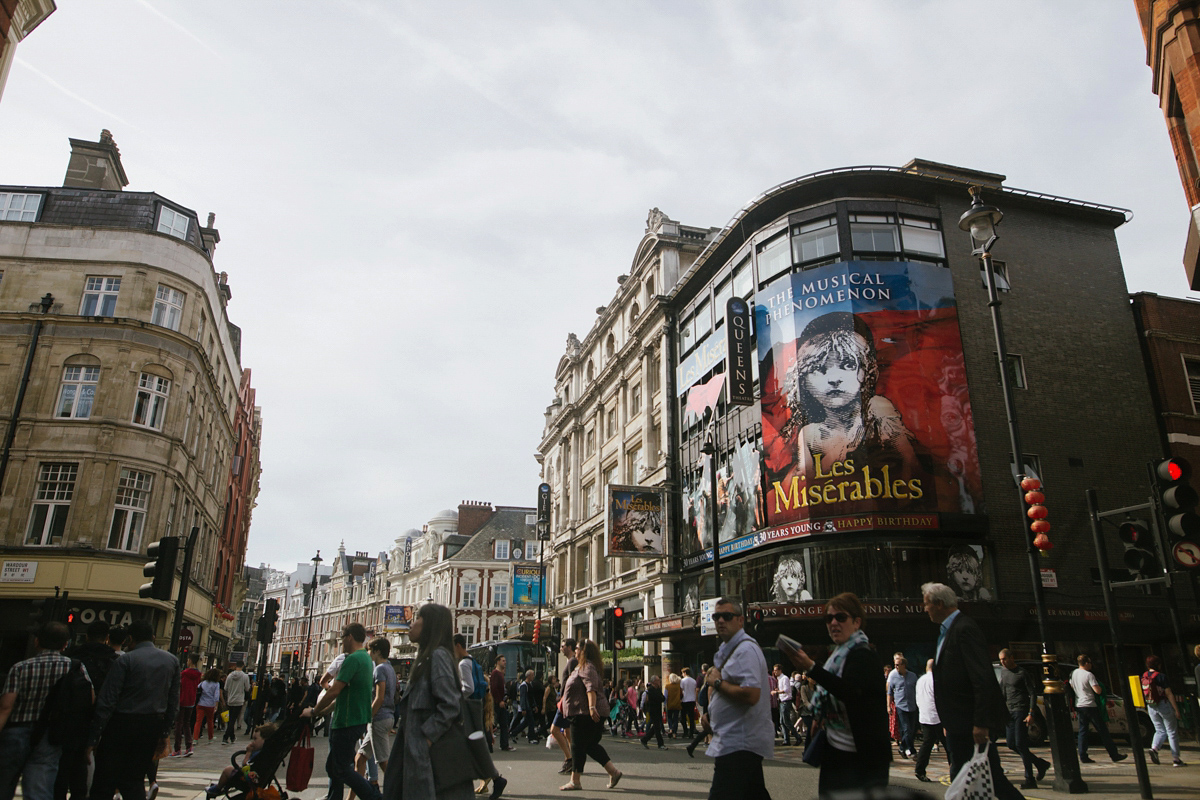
645 535
836 381
790 584
966 579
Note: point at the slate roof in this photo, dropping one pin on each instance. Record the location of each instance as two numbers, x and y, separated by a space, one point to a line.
106 209
507 523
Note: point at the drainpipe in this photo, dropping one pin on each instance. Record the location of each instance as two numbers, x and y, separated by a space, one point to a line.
47 302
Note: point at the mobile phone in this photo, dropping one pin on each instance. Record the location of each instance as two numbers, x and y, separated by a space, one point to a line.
787 644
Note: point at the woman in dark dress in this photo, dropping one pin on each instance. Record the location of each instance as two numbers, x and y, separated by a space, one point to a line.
850 702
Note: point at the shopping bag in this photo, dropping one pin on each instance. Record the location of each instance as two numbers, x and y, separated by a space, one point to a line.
300 763
225 716
974 780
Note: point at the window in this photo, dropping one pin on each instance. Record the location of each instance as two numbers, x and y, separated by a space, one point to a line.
100 296
173 223
129 516
499 595
609 475
634 464
743 279
467 629
151 405
168 308
1191 367
55 488
874 233
589 498
635 399
590 441
78 392
773 258
1000 270
612 422
470 595
498 631
19 207
501 549
533 549
655 378
703 320
815 240
921 236
1016 371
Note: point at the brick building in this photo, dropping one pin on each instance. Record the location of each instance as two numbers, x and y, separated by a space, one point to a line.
1171 29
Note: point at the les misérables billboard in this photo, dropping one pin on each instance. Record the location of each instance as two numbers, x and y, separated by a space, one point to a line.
865 413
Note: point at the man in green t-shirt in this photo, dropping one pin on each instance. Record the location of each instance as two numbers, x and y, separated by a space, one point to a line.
353 689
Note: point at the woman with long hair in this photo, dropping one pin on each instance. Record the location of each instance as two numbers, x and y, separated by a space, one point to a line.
849 704
586 703
431 704
208 695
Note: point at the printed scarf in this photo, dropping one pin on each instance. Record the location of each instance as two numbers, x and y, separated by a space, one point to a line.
825 705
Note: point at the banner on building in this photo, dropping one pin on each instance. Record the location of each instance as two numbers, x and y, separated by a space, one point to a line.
865 407
408 554
396 619
739 367
526 585
635 523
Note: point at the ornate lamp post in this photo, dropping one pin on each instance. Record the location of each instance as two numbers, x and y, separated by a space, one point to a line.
980 221
312 602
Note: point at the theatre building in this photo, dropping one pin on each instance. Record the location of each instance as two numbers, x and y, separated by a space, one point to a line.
869 452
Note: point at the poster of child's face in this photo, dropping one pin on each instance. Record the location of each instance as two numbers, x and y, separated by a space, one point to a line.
965 574
864 406
790 583
635 522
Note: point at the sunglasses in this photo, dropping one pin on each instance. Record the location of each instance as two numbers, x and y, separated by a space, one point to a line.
840 616
724 616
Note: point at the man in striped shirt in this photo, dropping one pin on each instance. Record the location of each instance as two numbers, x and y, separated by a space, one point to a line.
25 693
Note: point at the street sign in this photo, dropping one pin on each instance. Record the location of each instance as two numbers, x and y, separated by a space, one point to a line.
707 626
1187 554
543 503
185 637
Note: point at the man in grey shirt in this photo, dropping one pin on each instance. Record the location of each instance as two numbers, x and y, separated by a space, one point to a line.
1018 698
237 689
134 714
739 709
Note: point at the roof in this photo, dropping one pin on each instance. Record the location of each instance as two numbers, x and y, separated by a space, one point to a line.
507 523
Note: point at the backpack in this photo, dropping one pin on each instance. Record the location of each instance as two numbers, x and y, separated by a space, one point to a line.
481 683
1152 688
68 710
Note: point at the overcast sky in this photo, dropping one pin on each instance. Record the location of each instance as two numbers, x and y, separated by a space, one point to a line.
418 201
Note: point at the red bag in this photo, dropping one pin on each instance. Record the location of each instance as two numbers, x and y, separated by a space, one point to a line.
300 763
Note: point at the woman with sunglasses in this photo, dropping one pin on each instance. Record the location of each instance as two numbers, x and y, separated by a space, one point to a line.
848 705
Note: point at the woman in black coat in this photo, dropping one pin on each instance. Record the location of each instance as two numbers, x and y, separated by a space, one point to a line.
850 703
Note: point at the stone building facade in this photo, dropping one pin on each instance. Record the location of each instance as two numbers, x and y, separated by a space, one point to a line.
18 18
120 397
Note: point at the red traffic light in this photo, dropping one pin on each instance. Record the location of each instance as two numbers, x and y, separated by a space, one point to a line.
1132 531
1172 469
618 612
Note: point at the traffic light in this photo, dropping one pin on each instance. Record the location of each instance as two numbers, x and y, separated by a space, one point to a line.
555 634
161 570
285 661
268 621
1140 558
40 609
537 632
296 659
618 628
1176 498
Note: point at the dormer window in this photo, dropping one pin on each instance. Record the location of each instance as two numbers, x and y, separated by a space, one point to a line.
172 223
501 552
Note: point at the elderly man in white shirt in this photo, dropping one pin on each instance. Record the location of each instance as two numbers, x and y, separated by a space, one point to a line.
931 723
688 701
739 709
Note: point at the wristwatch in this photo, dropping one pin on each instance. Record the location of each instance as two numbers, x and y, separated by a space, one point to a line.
717 685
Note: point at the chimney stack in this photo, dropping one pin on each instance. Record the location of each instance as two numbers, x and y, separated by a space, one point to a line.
95 165
209 235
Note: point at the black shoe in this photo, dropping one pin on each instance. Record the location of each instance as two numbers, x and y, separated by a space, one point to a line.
645 744
1119 757
691 748
498 784
510 747
1029 783
566 767
1086 760
923 778
1041 769
1153 755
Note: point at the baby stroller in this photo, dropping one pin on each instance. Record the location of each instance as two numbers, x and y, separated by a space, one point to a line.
266 764
616 718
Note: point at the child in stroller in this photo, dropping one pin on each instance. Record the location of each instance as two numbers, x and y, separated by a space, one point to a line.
247 777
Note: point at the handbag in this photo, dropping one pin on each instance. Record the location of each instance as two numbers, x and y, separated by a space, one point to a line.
814 754
300 762
974 780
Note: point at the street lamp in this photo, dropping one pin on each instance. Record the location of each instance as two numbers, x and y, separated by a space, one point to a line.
312 602
980 221
709 449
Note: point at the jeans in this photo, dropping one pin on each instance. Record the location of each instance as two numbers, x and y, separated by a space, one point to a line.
930 735
689 718
235 713
502 724
654 728
1166 728
343 744
1017 735
672 720
34 764
184 721
738 776
786 721
908 721
125 756
72 771
1090 715
204 715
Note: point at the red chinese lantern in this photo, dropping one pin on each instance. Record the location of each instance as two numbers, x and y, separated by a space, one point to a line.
1030 484
1042 541
1038 512
1033 498
1040 526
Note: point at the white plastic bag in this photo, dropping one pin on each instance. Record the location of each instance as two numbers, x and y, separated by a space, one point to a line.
974 780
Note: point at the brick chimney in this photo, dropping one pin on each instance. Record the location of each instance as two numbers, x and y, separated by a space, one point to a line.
473 515
95 165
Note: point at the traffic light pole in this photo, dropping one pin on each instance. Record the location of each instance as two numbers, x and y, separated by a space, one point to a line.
1135 729
181 598
1161 537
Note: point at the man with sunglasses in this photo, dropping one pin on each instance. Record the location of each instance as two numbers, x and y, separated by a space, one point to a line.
739 710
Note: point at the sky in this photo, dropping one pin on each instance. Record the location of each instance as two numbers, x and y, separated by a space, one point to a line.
419 201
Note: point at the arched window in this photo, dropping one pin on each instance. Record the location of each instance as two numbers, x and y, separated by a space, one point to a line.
591 371
610 346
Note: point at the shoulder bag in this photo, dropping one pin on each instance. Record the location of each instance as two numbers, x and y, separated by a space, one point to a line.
300 762
451 751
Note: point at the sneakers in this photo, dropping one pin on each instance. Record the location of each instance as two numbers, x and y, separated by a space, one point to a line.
188 752
176 754
1119 757
211 790
498 784
1178 763
153 793
1153 755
